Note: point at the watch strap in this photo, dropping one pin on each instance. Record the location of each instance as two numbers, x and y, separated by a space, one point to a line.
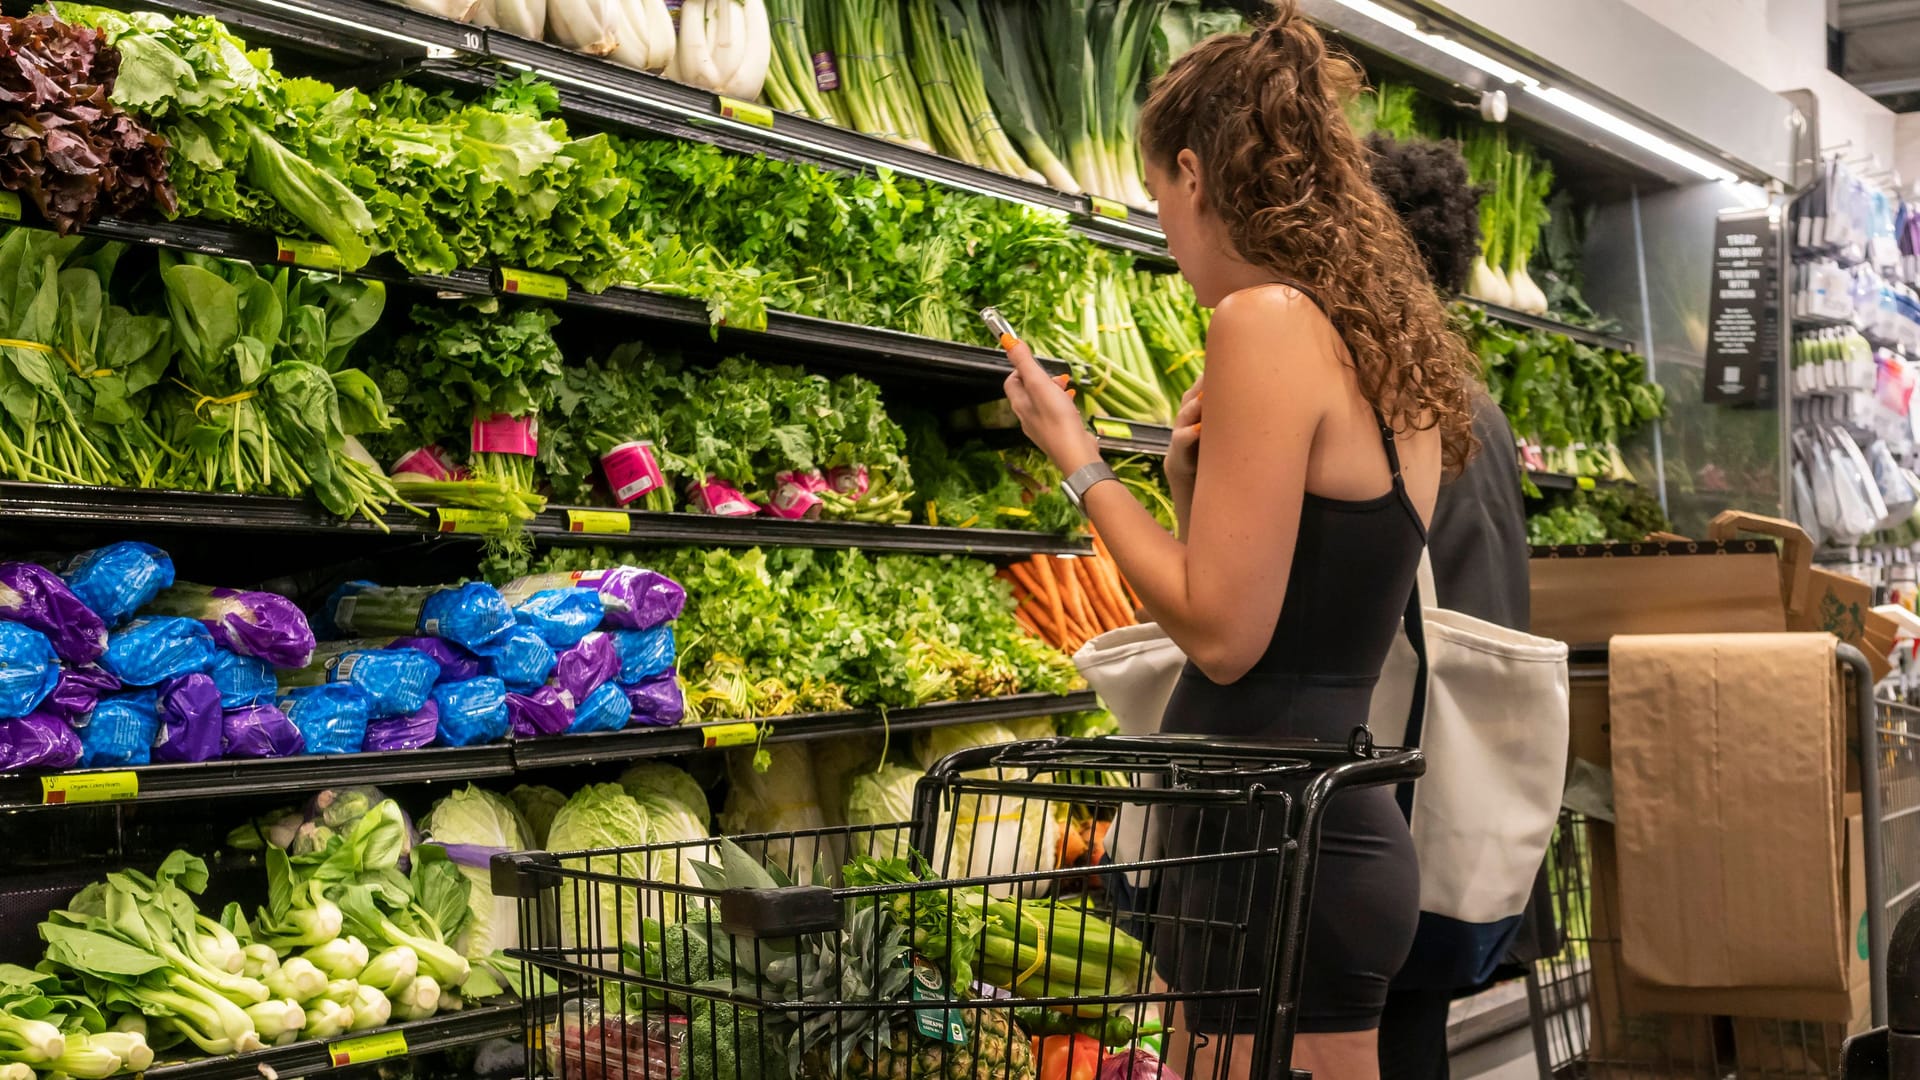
1085 477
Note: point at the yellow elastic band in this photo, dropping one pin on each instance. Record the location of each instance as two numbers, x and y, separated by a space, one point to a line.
203 400
1040 949
72 364
1186 358
1115 328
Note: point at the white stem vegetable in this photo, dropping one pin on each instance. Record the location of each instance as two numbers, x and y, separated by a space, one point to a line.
693 57
457 10
272 1019
391 971
727 30
328 1019
632 47
420 1000
30 1040
340 991
1527 295
297 979
661 33
751 76
16 1070
259 961
85 1059
341 958
1486 283
130 1047
526 18
370 1009
583 25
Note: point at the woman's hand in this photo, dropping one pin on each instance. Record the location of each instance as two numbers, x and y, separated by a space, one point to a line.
1047 412
1183 453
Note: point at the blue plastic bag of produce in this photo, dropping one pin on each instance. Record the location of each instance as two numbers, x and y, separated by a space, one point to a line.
456 663
606 709
546 711
39 741
657 702
396 681
28 670
471 712
644 653
634 598
78 690
562 616
260 731
521 658
121 730
471 615
154 648
410 732
242 680
190 728
587 666
264 625
332 718
32 595
468 615
119 579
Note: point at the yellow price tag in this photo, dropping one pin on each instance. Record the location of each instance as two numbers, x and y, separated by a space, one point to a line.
366 1048
1112 429
89 787
455 520
1585 483
1107 208
311 254
528 283
746 112
9 206
717 735
598 521
1016 511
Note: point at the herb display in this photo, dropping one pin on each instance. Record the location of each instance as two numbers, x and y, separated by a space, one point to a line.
974 485
1615 512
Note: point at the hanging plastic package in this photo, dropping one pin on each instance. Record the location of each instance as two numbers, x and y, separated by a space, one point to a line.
606 709
546 711
39 741
410 732
242 680
32 595
657 702
587 666
634 598
260 731
456 663
644 654
190 722
332 718
471 712
121 730
469 615
521 658
119 579
154 648
28 670
395 681
561 616
263 625
79 689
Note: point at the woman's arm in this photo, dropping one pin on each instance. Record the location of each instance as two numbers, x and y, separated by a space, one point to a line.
1218 591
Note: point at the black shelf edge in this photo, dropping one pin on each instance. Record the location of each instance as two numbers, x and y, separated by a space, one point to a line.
173 783
1132 437
638 743
1552 326
313 1057
556 526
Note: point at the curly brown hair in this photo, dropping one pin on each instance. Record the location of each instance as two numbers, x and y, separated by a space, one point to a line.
1282 168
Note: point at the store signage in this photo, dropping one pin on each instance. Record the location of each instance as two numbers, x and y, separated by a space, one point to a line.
605 522
718 735
89 787
1743 312
368 1048
455 520
528 283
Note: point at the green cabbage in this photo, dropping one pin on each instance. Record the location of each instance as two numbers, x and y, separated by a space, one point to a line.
481 819
666 786
780 800
883 797
537 803
997 835
835 763
677 812
600 914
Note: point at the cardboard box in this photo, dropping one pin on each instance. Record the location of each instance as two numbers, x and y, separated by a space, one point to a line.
1817 600
1586 595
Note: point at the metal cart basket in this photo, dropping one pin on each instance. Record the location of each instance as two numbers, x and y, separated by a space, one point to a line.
842 953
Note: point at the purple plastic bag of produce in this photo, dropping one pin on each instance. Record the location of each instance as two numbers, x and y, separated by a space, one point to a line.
154 648
561 616
456 663
546 711
521 658
79 689
263 625
28 670
32 595
634 598
404 732
331 718
40 741
657 702
190 724
120 730
119 579
606 709
242 680
471 712
587 666
644 654
260 731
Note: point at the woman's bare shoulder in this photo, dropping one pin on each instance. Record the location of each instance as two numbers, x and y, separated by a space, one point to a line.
1272 320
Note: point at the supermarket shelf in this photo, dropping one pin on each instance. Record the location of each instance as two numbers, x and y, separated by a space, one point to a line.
1552 326
314 1057
663 742
1552 481
557 526
1128 437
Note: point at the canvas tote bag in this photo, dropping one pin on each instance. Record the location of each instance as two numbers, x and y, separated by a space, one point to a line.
1488 705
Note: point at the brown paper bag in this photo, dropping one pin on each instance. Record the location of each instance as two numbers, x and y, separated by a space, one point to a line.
1817 600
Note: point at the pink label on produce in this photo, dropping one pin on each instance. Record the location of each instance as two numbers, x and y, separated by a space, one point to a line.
793 496
503 434
428 461
632 472
722 499
826 74
850 480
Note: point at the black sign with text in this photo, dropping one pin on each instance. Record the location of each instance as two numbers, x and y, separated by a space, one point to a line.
1743 328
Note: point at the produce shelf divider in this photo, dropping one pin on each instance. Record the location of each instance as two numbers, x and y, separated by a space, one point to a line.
315 1056
1132 437
1552 326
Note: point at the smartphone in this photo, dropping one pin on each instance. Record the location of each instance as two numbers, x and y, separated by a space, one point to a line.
999 327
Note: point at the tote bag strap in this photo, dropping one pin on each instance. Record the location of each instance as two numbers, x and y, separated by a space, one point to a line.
1417 637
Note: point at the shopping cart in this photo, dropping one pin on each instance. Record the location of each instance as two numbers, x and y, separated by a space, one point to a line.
761 958
1582 1018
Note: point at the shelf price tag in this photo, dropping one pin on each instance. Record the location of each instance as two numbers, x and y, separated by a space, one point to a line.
1112 429
528 283
311 254
366 1048
746 112
608 522
89 787
717 735
1107 208
9 206
455 520
1585 483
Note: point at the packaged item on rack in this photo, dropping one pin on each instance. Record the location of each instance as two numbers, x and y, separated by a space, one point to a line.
472 711
118 579
32 595
120 730
332 717
190 720
78 690
521 658
28 670
260 731
587 666
583 1041
644 653
346 810
634 598
39 741
657 702
243 680
410 732
469 615
561 616
546 711
263 625
456 663
154 648
395 681
606 709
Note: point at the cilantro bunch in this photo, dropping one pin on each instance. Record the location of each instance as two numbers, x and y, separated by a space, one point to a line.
974 485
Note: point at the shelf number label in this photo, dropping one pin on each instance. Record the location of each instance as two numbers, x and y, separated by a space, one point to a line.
1112 429
599 521
454 520
311 254
746 112
366 1048
1585 483
89 787
528 283
9 206
1107 208
717 735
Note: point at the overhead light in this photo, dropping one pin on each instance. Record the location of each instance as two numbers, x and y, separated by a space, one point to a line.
1633 133
1452 48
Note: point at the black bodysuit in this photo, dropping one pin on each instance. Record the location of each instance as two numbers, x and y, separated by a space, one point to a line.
1353 570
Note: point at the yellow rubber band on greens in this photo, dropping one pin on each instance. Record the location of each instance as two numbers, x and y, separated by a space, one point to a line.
202 400
1186 358
72 364
1040 945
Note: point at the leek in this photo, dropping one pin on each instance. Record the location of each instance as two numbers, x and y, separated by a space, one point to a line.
875 81
948 41
792 84
1019 93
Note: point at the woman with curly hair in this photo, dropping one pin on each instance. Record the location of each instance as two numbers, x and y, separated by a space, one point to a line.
1340 397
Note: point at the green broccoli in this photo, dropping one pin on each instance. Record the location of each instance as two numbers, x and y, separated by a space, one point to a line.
728 1043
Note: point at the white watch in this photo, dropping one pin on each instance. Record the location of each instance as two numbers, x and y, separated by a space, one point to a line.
1077 485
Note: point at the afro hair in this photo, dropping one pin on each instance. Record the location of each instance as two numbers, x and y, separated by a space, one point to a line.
1426 181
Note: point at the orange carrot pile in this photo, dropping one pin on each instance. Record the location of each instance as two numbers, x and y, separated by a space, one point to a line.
1067 601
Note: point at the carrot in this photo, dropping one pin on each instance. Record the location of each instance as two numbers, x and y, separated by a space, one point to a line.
1028 624
1073 847
1100 830
1024 576
1070 591
1100 546
1055 602
1096 606
1110 579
